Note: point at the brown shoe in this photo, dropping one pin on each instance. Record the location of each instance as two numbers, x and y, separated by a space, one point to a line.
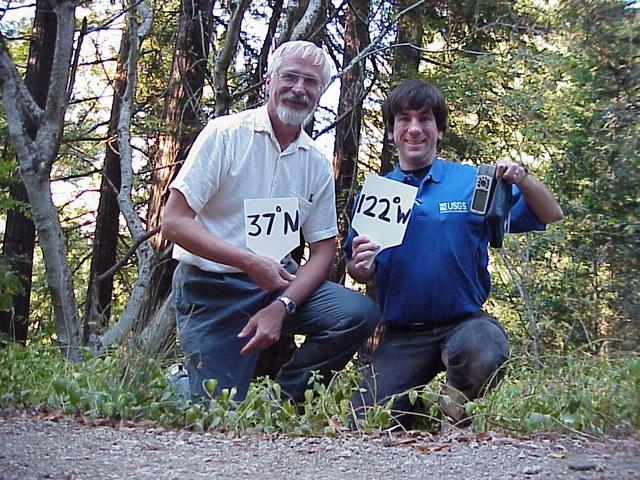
451 404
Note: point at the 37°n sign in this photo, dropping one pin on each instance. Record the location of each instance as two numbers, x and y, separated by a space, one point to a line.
272 226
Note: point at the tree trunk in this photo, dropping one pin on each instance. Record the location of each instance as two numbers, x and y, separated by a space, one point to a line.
255 98
181 120
347 138
139 18
36 158
104 252
406 63
226 55
20 232
181 115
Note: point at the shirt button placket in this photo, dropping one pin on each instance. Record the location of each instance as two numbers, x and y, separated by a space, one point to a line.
274 179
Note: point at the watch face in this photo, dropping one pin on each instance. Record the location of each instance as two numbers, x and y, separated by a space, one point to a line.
290 308
289 304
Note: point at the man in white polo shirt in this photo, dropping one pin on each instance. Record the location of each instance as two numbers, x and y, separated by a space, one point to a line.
231 302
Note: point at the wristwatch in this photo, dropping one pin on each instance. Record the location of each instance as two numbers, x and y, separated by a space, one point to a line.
289 304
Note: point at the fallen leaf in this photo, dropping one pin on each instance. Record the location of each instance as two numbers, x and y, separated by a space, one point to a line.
422 448
394 442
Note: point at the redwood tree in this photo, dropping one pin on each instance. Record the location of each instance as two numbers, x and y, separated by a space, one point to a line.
347 138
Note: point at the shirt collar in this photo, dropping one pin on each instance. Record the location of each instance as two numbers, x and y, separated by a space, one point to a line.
435 174
262 123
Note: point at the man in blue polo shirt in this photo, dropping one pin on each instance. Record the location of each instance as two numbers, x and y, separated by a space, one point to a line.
431 289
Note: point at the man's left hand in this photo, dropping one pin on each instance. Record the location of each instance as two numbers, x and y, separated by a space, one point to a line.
510 171
266 325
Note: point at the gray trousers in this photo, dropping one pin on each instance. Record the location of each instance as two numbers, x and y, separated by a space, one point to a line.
470 352
212 308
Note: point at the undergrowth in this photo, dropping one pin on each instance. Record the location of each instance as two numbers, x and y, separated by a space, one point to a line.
579 392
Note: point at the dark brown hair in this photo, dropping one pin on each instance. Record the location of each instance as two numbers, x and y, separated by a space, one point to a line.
416 94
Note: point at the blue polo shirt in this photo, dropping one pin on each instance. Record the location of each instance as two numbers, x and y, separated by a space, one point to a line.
439 274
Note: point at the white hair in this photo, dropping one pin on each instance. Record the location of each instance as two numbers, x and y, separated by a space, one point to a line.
304 49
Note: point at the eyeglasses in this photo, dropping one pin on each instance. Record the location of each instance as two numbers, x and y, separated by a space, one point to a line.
290 79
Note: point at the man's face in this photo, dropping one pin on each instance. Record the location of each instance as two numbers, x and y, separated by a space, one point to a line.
416 136
294 90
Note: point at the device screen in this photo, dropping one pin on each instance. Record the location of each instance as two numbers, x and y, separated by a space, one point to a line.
479 200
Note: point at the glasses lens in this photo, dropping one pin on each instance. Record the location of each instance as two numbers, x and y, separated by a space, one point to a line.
290 79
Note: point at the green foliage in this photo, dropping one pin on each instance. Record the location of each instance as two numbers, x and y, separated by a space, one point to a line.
553 85
127 387
10 285
579 392
599 172
116 386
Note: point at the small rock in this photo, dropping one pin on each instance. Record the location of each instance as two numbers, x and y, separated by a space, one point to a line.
531 470
585 467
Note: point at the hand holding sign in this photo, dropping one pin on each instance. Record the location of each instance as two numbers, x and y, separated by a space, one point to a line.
383 209
272 226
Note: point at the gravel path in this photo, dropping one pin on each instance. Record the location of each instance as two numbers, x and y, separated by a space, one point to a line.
36 447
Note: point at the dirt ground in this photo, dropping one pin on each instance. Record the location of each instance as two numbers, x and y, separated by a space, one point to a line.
52 447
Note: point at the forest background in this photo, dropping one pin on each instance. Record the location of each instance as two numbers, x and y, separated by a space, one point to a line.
103 99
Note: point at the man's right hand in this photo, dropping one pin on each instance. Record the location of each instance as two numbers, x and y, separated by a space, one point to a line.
364 251
268 274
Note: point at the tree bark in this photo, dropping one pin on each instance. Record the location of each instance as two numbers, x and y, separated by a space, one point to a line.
139 22
104 252
182 112
308 21
36 157
181 120
255 98
223 62
20 234
347 138
406 63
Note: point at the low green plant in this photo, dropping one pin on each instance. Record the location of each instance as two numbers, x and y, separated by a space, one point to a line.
579 392
124 386
117 386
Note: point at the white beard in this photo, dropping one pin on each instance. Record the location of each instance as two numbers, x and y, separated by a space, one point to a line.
291 117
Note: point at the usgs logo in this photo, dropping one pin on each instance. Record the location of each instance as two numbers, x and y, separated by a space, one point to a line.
452 207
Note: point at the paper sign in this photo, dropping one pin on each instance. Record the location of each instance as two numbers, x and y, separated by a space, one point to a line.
383 209
272 226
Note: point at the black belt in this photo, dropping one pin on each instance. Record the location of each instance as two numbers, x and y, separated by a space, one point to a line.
427 327
415 327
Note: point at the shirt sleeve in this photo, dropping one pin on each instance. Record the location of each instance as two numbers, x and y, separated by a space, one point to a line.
522 217
348 241
347 244
208 160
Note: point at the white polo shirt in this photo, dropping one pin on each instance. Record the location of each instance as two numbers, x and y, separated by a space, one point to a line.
237 157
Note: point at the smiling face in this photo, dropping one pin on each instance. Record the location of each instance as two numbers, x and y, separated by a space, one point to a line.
294 90
416 135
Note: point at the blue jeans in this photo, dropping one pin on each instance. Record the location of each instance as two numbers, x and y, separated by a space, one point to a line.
470 352
212 308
